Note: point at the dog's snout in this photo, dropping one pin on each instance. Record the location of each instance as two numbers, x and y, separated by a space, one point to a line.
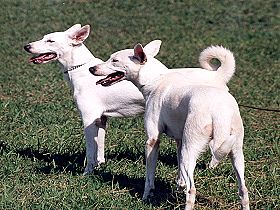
27 47
92 69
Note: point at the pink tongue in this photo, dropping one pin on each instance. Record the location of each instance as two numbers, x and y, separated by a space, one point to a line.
104 82
41 58
35 60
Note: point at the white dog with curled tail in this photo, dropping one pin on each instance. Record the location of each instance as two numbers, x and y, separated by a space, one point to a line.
189 109
95 103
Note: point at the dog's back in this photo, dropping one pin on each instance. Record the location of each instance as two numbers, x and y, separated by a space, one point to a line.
210 112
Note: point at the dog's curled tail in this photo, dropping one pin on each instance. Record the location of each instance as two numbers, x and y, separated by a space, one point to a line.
225 57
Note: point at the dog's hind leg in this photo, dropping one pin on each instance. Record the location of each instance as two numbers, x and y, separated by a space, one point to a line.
191 148
187 166
152 149
194 142
180 180
237 159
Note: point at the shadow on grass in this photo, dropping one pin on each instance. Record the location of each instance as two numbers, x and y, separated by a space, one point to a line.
135 186
74 163
66 162
167 159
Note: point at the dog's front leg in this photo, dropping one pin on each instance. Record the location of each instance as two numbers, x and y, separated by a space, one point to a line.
94 130
101 124
91 135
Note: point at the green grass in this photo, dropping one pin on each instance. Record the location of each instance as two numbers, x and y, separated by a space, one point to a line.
42 146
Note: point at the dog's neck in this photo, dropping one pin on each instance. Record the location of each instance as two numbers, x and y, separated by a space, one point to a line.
76 57
75 66
149 75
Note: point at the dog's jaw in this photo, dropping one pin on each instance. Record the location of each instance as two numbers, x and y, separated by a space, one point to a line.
111 79
43 58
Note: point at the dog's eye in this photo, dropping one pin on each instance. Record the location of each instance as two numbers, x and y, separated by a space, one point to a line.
115 60
50 41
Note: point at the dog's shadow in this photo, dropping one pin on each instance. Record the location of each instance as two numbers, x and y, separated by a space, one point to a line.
135 186
74 164
56 162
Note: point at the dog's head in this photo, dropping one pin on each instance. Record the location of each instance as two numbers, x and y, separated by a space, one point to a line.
125 64
56 45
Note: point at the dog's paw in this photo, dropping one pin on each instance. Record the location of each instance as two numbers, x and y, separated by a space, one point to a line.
86 172
92 168
189 206
181 185
101 162
214 162
148 196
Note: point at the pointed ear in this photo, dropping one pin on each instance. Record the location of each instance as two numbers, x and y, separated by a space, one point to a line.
153 47
79 36
139 54
73 28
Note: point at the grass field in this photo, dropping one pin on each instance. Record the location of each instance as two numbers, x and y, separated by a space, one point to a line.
42 147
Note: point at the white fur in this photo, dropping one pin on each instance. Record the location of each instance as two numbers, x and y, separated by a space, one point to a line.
193 109
95 103
222 55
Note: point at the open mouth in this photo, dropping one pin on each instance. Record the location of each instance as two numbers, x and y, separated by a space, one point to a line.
43 58
111 79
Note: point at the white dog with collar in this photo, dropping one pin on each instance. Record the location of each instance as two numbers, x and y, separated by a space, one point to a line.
96 103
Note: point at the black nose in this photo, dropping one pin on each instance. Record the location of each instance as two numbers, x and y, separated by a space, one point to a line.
92 69
27 47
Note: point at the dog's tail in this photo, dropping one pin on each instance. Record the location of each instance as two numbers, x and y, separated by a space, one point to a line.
225 57
222 142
